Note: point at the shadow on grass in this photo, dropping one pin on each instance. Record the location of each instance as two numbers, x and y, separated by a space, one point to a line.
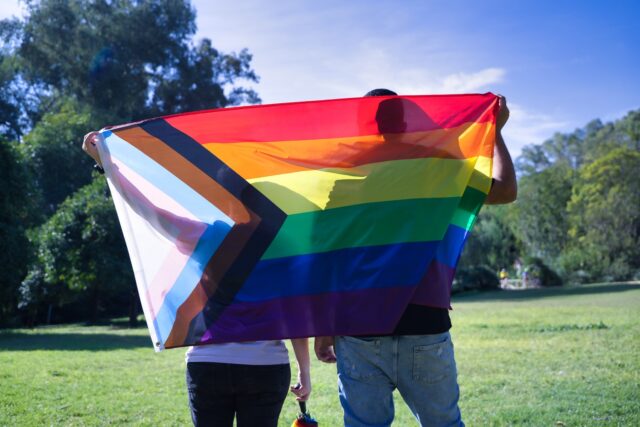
28 341
531 294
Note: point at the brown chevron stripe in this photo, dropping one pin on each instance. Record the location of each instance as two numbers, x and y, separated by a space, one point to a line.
187 172
217 266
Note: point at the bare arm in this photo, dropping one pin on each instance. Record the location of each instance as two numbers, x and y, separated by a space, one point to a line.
323 347
504 188
90 139
302 389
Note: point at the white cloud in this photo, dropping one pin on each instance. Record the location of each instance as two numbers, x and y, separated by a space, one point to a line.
526 127
373 63
9 8
461 82
472 82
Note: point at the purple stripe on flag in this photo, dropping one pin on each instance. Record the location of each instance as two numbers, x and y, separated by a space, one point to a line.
434 289
362 312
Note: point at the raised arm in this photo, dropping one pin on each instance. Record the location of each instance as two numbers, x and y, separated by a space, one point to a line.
504 188
302 389
89 146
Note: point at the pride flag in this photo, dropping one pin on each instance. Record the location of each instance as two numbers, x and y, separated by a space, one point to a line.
298 219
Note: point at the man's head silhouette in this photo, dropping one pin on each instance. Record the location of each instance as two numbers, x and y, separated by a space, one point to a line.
390 114
380 92
398 115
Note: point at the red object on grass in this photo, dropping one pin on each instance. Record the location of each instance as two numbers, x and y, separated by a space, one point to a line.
304 418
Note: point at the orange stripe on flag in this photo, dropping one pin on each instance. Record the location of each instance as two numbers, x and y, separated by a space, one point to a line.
255 160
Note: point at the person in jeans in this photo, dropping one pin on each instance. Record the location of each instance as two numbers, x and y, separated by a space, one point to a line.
247 381
417 358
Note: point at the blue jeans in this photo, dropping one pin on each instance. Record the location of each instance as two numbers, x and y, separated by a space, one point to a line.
421 367
253 394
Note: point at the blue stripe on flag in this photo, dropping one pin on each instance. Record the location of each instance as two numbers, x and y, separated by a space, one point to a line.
189 277
451 245
344 270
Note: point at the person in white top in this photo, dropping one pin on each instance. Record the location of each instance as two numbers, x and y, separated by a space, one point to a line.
247 380
244 380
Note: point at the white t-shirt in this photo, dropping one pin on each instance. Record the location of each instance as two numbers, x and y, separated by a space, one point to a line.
241 353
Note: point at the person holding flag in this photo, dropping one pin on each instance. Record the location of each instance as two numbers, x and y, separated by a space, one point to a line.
247 381
417 358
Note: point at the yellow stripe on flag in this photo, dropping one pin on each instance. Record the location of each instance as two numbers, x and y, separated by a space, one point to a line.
314 190
481 176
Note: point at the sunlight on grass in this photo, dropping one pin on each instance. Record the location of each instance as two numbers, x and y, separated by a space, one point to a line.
540 357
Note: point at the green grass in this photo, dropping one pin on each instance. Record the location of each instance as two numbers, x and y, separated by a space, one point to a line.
548 357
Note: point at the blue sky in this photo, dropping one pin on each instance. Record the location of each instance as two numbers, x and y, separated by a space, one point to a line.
559 63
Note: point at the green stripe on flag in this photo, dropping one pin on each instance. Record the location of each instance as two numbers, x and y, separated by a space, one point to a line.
371 224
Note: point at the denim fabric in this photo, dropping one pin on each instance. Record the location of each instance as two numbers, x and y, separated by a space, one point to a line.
254 394
421 367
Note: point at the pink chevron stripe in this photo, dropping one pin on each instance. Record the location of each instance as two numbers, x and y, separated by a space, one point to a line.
181 248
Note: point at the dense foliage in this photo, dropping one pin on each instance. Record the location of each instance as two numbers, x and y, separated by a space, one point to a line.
604 214
16 215
74 257
67 68
577 217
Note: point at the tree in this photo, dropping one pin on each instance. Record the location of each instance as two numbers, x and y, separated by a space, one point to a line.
9 109
16 214
543 216
13 100
567 149
86 49
621 133
198 79
532 160
604 216
52 152
69 67
492 244
581 146
81 255
540 218
125 59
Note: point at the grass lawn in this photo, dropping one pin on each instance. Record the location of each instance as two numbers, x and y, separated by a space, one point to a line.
552 357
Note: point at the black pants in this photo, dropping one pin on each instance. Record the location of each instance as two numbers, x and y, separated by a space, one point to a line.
252 393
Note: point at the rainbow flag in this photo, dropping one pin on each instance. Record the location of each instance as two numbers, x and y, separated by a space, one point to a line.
298 219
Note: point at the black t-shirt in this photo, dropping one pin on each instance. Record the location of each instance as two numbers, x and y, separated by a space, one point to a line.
421 320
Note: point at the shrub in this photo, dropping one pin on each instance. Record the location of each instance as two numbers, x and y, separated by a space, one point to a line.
478 277
539 272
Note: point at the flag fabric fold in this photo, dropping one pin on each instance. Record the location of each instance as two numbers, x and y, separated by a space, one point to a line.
299 219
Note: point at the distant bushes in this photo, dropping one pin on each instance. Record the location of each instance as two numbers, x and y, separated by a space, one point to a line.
478 278
542 274
475 278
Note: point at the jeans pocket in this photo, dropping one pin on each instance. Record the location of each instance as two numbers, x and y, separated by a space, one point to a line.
359 358
433 363
373 342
